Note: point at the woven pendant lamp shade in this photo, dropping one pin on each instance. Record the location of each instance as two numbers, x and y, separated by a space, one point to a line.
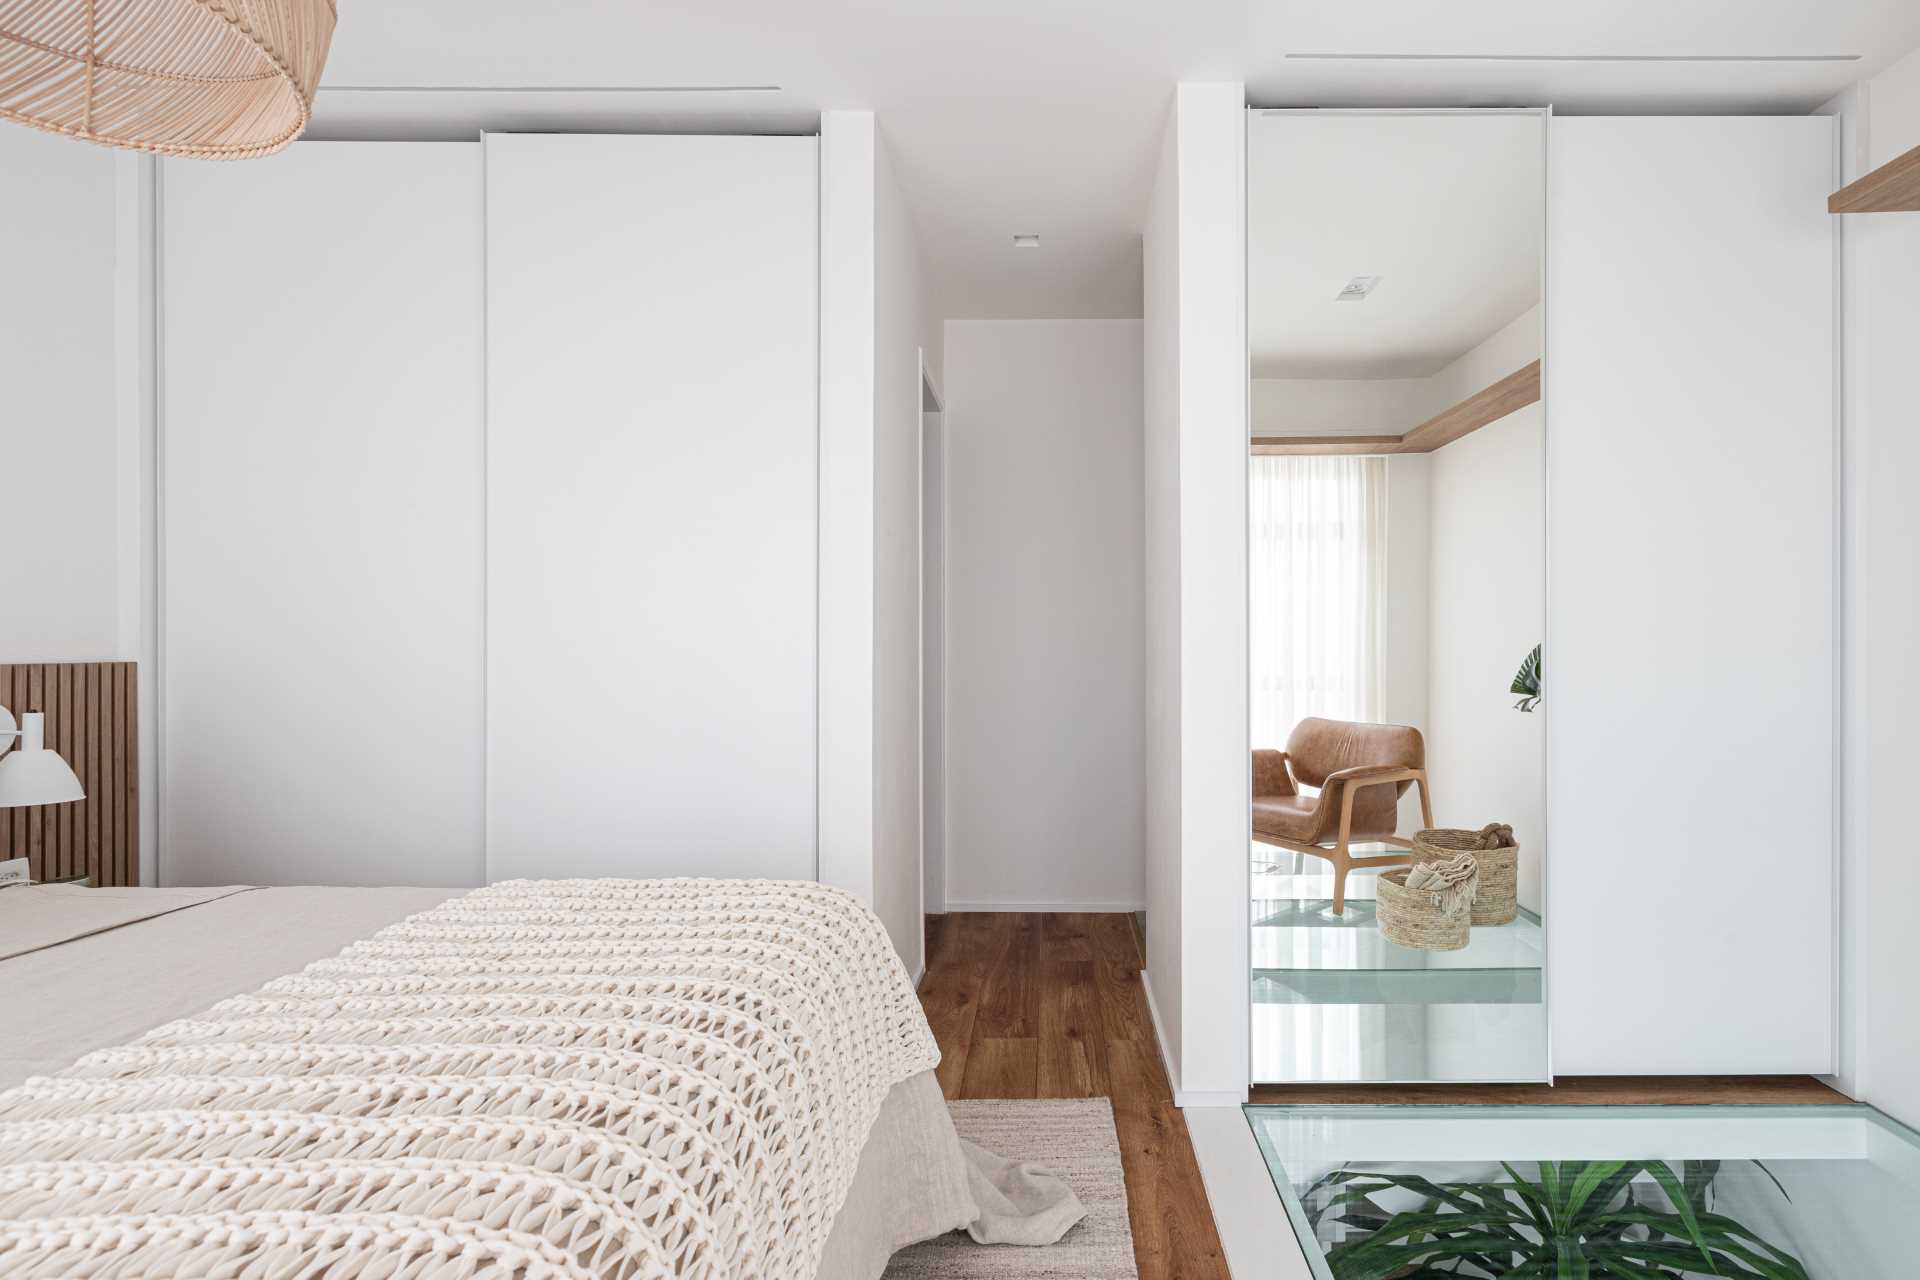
214 79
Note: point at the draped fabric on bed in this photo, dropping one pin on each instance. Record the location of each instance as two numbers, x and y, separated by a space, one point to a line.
566 1078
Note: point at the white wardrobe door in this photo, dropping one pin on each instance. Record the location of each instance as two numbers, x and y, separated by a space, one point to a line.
652 472
1690 669
322 502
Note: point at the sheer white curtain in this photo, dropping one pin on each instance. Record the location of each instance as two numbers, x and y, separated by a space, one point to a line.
1318 572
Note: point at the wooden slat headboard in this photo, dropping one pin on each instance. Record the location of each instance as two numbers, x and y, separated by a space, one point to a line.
91 721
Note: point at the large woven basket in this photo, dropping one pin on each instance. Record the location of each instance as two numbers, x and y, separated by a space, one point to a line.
1496 901
1410 918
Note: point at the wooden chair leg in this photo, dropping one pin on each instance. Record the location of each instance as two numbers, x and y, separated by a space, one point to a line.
1426 802
1340 860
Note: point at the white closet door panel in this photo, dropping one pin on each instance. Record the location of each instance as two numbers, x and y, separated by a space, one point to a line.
322 534
652 442
1690 657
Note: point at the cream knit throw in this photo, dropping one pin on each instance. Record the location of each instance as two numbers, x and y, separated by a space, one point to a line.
567 1078
1449 883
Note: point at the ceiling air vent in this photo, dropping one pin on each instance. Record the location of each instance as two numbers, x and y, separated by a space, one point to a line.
1357 289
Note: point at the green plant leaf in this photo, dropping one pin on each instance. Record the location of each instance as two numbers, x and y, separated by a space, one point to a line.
1363 1262
1729 1243
1677 1194
1621 1263
1532 1197
1562 1224
1698 1177
1775 1181
1527 679
1588 1181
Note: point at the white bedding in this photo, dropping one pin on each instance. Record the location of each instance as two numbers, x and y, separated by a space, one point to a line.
812 1017
110 978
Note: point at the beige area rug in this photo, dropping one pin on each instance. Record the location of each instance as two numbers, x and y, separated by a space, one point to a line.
1074 1137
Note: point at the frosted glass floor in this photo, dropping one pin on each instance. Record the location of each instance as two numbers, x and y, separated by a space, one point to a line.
1412 1041
1293 934
1782 1193
1335 1002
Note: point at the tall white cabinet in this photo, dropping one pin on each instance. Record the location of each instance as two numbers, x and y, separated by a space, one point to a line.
322 537
1692 440
652 305
488 491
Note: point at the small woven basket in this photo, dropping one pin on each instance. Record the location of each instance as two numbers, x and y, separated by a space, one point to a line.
1497 900
1410 917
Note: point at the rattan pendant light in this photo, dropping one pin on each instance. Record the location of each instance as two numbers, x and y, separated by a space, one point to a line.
215 79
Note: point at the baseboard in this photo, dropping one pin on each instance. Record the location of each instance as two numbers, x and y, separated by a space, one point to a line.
1160 1038
1071 908
1183 1098
919 974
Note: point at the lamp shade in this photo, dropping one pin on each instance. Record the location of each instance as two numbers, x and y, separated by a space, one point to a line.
213 79
31 774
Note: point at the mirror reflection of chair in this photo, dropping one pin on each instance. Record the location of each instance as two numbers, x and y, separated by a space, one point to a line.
1361 771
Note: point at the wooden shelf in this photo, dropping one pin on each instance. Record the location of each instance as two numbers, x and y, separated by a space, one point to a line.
1326 444
1515 391
1892 188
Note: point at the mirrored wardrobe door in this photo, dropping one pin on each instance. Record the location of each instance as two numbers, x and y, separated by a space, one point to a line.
1397 578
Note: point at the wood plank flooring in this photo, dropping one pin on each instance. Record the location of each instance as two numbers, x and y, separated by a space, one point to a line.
1050 1006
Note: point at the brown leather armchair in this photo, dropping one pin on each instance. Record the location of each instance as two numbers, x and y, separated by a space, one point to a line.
1362 770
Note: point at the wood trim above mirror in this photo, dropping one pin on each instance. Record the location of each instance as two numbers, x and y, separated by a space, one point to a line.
1892 188
1514 392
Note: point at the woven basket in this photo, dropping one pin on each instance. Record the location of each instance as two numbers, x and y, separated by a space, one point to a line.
1496 901
1409 917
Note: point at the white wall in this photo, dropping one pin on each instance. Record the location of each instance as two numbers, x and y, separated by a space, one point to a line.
847 306
902 329
1408 683
874 318
1045 631
1160 400
1507 350
1339 406
1392 406
933 642
60 574
1487 554
1196 485
1880 950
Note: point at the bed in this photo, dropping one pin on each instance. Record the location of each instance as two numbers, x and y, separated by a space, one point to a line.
569 1078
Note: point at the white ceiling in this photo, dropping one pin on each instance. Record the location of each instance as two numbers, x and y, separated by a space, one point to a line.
1447 210
1043 115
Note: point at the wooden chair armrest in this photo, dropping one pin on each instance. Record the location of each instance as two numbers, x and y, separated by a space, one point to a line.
1368 775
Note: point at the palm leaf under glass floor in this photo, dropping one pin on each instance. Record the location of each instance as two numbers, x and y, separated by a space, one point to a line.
1574 1220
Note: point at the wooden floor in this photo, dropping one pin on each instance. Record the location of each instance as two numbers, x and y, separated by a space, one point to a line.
1050 1006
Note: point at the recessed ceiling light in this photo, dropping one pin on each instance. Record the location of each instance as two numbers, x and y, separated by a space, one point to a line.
1026 242
1357 289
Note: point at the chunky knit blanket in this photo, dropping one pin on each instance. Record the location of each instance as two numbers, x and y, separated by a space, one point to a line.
568 1078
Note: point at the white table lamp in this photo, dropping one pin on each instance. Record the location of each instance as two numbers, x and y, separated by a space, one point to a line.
30 773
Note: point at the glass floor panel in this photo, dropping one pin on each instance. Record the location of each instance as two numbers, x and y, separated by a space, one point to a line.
1293 934
1335 1002
1409 1042
1780 1193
